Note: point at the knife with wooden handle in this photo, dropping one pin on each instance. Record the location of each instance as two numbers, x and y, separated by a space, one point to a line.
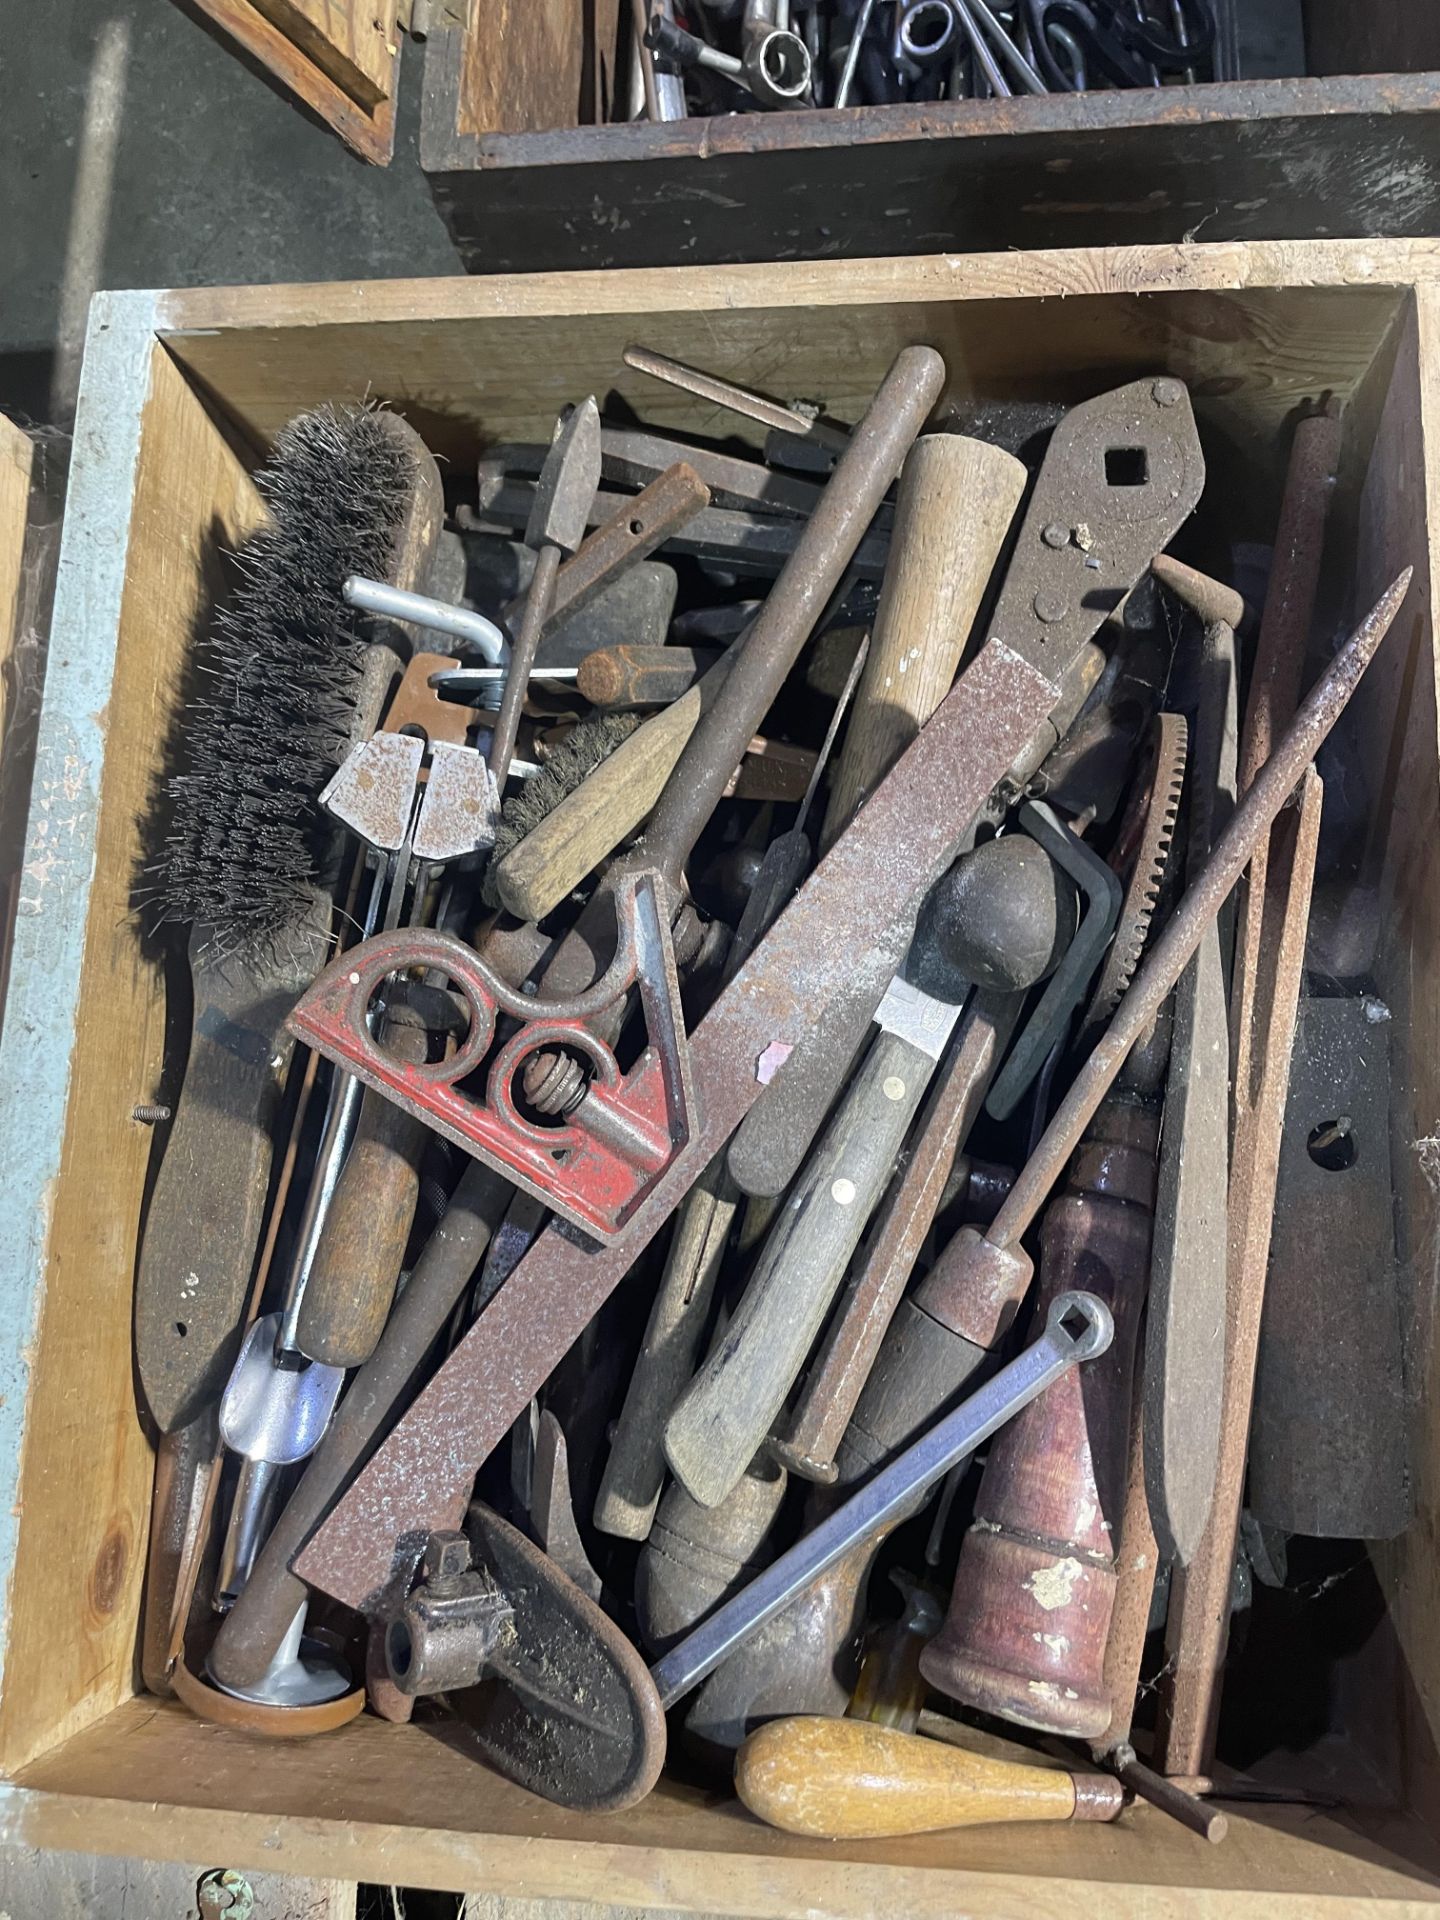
722 1418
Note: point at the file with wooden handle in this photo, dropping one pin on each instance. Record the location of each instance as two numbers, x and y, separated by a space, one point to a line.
956 502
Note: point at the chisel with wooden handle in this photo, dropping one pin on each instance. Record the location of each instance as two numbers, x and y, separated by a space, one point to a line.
635 1470
852 1780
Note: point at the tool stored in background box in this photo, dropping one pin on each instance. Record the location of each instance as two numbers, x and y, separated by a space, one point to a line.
697 56
682 1013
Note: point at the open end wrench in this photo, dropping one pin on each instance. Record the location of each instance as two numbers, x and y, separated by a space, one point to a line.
1077 1328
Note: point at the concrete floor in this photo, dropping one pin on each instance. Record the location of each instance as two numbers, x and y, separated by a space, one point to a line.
135 151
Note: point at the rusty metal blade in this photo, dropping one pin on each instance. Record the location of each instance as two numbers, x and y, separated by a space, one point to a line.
568 482
1200 1604
421 1477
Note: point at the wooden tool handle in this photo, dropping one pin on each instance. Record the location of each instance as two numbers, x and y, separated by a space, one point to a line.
1029 1615
535 876
956 502
208 1202
612 550
356 1267
621 677
852 1780
724 1415
635 1471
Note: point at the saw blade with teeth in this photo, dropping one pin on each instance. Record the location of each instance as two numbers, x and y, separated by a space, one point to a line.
1141 851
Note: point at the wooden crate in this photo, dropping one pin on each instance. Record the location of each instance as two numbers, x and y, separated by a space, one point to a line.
526 182
181 392
531 169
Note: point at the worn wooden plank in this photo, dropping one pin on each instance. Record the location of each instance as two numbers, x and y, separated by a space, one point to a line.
17 458
1398 724
361 110
1383 36
1249 160
458 357
84 1036
402 1807
522 67
355 42
89 1886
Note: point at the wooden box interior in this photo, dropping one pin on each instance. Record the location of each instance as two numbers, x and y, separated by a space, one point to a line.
208 377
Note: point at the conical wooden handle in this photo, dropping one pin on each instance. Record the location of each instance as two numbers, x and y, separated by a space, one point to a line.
853 1780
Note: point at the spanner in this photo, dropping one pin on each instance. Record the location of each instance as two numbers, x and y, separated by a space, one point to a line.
1077 1328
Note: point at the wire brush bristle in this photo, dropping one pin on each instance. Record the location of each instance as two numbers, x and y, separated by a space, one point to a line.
590 741
279 675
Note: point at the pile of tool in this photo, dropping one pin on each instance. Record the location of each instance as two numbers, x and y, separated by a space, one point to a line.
729 56
641 1053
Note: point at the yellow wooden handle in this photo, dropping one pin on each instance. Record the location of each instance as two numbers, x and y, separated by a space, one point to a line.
853 1780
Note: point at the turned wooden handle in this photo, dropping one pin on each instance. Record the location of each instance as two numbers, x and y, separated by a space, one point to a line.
622 677
853 1780
723 1416
635 1471
208 1203
353 1276
1029 1614
956 502
537 873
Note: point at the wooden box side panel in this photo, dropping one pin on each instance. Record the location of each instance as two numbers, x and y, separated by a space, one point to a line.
413 1807
521 67
87 1027
1400 525
1383 36
500 369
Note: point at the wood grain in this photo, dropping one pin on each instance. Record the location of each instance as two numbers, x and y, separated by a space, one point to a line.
523 67
356 43
1221 318
17 457
398 1806
1383 36
360 109
956 502
849 1779
1398 723
84 1886
85 1472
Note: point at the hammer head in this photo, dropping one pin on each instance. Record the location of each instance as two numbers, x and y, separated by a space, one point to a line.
568 481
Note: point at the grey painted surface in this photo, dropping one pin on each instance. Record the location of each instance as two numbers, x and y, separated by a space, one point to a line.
37 1045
